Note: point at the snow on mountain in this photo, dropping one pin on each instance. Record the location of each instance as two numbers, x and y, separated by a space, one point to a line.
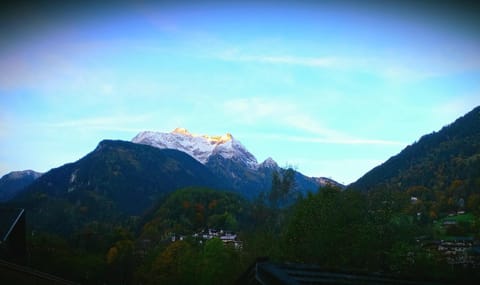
14 182
323 181
22 174
200 147
269 163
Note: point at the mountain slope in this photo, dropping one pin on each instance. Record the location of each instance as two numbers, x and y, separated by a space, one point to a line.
117 178
435 161
14 182
229 160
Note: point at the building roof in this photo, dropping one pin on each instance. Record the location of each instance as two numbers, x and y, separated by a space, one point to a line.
265 273
9 217
460 238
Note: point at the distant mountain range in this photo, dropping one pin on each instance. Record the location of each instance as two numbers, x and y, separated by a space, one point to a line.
435 161
121 178
451 155
227 158
229 165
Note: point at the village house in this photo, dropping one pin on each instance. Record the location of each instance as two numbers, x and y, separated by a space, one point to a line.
227 237
458 251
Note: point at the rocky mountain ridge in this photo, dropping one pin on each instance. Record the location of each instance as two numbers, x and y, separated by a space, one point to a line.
200 147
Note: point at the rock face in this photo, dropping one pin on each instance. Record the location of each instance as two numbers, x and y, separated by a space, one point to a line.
200 147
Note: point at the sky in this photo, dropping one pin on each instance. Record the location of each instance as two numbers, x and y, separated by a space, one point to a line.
332 88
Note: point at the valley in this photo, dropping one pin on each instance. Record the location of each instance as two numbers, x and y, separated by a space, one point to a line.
176 208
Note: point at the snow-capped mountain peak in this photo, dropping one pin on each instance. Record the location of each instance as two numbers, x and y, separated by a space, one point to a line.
23 174
181 131
200 147
216 139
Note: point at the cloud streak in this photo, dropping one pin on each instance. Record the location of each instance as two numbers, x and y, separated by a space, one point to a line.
348 141
110 123
326 62
328 140
286 114
401 67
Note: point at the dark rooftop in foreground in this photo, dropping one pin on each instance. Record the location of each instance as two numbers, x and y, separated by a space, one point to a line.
266 273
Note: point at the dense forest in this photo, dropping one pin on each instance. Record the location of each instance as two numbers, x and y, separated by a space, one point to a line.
379 231
445 160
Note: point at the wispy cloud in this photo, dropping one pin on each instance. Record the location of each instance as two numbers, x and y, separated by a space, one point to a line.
329 62
349 141
287 114
45 72
250 110
301 121
402 66
110 123
325 140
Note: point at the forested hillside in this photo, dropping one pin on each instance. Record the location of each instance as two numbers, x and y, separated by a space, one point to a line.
203 236
442 168
116 180
437 161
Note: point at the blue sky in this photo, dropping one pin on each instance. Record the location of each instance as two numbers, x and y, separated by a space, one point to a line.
332 89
